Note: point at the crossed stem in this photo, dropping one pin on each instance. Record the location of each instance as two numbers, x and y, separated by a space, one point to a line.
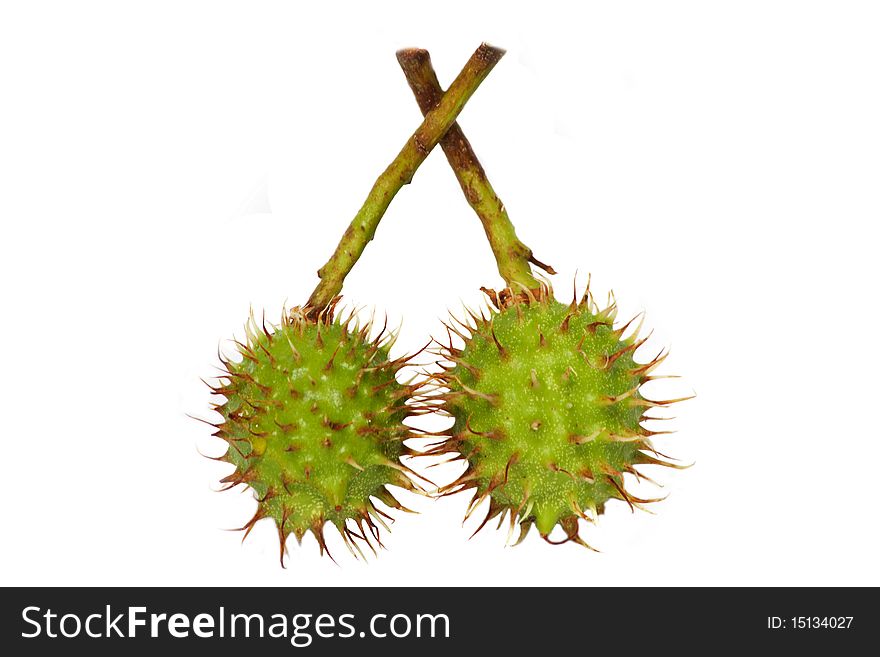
435 125
512 256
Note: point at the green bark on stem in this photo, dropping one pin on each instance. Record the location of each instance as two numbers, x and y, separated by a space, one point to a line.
398 174
513 257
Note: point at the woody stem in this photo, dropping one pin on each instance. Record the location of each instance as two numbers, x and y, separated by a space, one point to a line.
514 258
399 173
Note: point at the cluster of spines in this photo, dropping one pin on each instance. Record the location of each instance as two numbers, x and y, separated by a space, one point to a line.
249 402
462 442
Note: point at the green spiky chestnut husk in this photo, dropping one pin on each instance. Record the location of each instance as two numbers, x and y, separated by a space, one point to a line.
313 417
547 411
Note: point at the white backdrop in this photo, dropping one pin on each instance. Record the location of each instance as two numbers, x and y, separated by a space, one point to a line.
164 166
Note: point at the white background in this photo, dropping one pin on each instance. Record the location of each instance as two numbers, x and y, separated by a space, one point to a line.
164 166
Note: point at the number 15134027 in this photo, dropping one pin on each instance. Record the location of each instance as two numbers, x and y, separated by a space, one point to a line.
809 622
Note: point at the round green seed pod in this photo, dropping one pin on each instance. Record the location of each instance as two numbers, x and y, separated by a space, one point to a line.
313 417
547 411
